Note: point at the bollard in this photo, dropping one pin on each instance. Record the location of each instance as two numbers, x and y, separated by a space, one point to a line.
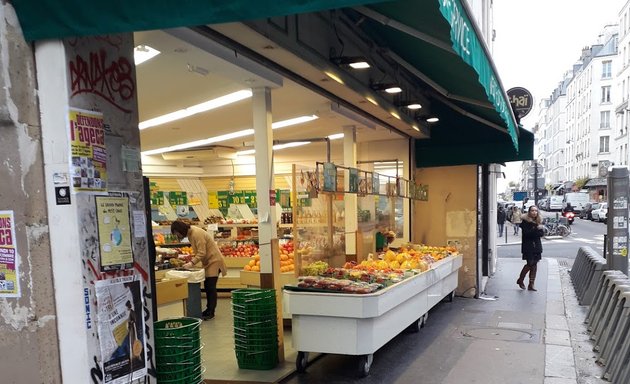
590 284
603 329
607 302
616 331
616 353
598 297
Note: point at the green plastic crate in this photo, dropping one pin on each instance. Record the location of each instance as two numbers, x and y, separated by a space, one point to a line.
262 360
184 327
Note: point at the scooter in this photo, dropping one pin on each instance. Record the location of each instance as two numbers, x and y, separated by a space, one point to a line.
570 217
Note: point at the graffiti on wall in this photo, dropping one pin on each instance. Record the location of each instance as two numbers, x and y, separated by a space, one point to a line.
108 78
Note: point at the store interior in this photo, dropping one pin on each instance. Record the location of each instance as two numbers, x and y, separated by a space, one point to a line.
195 113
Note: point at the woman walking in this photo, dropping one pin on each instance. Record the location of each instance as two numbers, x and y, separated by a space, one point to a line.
516 219
531 246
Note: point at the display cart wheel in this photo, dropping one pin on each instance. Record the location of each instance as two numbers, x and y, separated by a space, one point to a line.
301 361
365 362
449 298
424 319
416 325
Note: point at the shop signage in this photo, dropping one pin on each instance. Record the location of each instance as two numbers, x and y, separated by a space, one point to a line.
468 46
62 195
88 153
178 198
121 329
9 273
521 101
114 233
353 180
376 184
330 177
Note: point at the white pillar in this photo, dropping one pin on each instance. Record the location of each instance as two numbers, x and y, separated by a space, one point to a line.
263 143
350 199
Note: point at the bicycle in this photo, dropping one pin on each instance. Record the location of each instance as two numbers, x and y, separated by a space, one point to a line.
552 227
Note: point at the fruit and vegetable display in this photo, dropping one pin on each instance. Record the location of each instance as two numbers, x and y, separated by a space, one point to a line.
173 257
240 250
374 273
287 259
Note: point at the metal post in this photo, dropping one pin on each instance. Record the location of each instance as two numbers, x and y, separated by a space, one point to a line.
536 183
617 218
505 226
605 242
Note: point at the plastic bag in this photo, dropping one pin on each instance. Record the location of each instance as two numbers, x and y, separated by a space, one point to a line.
193 275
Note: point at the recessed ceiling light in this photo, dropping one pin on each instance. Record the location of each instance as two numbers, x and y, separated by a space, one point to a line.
293 121
396 115
414 106
195 109
371 100
334 77
416 128
432 120
336 136
142 53
394 89
275 147
200 143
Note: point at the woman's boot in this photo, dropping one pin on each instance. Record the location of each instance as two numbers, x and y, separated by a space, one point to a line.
532 277
521 278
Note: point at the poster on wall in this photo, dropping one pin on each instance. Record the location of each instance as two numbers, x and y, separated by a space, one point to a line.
120 329
114 232
9 283
88 153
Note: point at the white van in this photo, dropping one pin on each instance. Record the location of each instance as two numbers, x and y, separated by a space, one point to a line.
555 202
577 199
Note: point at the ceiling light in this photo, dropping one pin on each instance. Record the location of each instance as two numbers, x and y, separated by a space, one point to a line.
432 120
393 89
396 115
336 136
414 106
389 88
275 147
142 53
199 108
201 143
293 121
416 128
334 77
356 62
371 100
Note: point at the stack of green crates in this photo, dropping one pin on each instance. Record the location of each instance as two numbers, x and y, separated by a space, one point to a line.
255 328
178 351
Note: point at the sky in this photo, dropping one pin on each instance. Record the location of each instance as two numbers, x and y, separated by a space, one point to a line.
537 41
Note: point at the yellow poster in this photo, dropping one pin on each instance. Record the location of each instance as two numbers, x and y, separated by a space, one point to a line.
88 159
9 283
114 232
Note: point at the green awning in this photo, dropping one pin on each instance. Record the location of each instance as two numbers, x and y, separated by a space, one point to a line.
54 19
437 41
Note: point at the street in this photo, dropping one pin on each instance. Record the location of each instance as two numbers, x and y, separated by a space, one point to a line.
583 233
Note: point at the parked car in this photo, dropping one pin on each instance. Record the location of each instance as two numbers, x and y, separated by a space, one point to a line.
555 203
601 213
586 213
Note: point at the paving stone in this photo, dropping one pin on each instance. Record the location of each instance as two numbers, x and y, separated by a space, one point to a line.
559 362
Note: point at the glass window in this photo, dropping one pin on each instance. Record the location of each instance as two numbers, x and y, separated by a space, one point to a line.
603 144
607 69
606 94
604 120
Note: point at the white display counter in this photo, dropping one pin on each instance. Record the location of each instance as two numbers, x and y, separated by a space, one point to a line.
354 324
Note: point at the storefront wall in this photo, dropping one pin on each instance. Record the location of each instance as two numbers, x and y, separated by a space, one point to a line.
28 323
449 217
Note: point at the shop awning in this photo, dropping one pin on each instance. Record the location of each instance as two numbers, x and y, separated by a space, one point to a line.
52 19
597 182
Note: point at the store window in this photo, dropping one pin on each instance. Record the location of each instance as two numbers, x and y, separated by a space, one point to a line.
604 142
604 120
607 69
606 94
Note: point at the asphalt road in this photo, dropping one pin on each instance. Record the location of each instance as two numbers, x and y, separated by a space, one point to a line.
583 233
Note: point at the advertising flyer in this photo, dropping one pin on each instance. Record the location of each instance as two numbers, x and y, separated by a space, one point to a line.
9 283
114 232
120 329
88 158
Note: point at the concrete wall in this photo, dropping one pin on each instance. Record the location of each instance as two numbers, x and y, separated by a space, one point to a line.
450 216
28 331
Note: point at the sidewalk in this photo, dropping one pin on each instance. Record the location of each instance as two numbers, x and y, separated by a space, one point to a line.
510 238
507 336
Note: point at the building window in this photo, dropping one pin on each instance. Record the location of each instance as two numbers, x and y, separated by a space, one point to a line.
603 144
606 94
606 69
604 120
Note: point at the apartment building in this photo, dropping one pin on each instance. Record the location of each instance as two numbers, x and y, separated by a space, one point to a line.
622 82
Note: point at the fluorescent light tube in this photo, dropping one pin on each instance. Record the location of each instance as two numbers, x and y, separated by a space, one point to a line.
432 120
414 106
200 143
293 121
393 90
359 65
142 53
275 147
195 109
336 136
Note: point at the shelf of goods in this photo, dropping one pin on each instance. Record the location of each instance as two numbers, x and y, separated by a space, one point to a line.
360 324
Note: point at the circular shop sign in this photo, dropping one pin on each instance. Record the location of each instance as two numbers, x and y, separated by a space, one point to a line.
521 100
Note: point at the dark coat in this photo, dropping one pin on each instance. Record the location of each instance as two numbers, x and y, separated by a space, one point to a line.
531 246
501 216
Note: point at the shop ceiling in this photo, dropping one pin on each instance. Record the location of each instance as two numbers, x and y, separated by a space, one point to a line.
414 44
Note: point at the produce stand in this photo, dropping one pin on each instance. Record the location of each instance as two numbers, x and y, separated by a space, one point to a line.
360 324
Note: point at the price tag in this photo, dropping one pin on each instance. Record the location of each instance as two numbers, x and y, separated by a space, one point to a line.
213 227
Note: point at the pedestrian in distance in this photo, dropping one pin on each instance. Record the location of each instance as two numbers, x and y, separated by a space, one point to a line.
501 216
206 251
516 219
531 246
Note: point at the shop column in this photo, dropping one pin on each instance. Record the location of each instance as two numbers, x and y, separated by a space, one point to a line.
350 199
266 196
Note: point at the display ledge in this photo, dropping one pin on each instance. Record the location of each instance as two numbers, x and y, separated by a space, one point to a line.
237 225
236 262
252 279
173 245
372 304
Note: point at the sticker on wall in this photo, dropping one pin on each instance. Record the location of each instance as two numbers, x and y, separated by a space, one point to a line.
88 153
121 329
9 283
114 233
62 195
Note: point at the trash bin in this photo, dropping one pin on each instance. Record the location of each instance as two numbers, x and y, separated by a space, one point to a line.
178 351
193 304
255 328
